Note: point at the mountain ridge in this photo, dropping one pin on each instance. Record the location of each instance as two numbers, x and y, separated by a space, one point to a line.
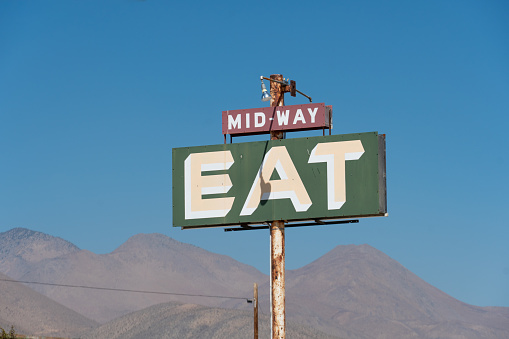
149 262
165 321
35 314
365 282
353 291
21 248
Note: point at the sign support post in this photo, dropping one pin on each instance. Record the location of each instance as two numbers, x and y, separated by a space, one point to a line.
277 238
255 310
238 196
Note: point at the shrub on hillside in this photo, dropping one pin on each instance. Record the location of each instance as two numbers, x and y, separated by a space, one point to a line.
10 335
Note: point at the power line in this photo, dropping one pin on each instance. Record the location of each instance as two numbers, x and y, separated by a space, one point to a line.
124 290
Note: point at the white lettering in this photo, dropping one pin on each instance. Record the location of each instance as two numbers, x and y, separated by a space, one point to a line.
289 186
259 119
299 117
234 123
282 117
335 154
247 121
312 113
196 185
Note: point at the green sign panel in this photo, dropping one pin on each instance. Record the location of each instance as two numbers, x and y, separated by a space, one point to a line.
330 177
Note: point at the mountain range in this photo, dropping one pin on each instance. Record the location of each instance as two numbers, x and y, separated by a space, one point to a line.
148 262
34 313
174 320
350 292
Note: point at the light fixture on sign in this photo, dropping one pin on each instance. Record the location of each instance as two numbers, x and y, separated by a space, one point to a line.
287 86
265 94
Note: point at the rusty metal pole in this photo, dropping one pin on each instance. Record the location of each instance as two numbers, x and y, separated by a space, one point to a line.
277 239
255 310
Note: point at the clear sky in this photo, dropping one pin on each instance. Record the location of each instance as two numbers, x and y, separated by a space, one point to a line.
95 94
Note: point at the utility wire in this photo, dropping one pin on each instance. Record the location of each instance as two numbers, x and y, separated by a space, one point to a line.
124 290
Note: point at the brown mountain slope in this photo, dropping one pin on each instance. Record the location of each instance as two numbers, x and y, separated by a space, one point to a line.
359 292
351 292
177 321
21 248
149 262
31 313
6 325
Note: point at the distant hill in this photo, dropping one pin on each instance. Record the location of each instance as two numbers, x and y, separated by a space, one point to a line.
359 292
179 321
150 262
21 249
353 291
31 313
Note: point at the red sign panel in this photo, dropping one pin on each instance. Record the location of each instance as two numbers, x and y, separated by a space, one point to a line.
280 118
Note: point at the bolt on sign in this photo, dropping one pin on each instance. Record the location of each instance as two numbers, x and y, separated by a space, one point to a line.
329 177
279 118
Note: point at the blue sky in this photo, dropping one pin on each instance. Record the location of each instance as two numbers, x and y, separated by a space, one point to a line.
94 95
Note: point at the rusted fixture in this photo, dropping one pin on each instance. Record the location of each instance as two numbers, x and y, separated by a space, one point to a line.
290 86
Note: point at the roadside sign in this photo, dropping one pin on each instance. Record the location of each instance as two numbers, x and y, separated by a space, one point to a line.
279 118
329 177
